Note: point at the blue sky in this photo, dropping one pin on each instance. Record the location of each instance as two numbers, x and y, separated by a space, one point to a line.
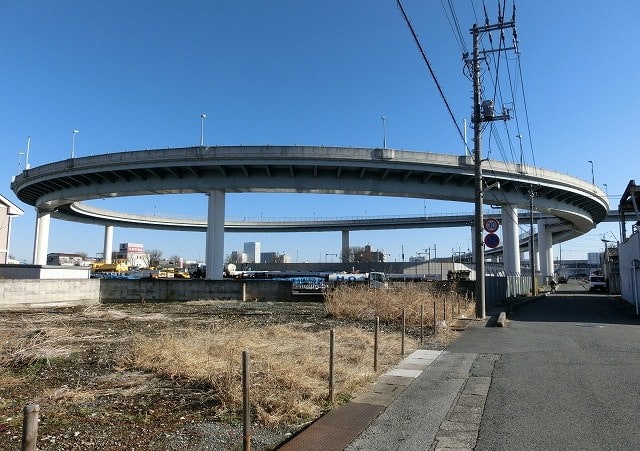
137 75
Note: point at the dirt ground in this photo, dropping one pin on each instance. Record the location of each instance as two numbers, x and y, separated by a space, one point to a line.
74 362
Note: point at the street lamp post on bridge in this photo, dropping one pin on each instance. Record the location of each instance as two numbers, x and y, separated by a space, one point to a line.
73 143
202 118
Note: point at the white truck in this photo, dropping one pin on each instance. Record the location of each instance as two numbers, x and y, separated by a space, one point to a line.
597 283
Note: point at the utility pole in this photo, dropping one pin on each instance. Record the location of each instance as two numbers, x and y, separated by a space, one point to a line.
483 111
532 250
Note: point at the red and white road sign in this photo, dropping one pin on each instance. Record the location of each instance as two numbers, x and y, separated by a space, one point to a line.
491 225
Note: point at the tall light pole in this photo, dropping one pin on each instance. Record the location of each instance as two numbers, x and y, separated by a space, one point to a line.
26 161
593 180
606 189
20 154
202 118
73 143
384 132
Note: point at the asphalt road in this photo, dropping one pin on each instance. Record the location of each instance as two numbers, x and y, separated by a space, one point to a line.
566 375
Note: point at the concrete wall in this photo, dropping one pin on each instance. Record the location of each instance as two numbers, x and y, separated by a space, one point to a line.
157 290
21 293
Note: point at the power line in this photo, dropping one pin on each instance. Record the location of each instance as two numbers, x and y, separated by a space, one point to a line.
433 75
455 26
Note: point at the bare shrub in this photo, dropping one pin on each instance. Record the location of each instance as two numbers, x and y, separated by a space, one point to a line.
361 303
39 345
289 366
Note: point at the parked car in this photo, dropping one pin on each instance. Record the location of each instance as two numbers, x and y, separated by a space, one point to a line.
562 279
597 283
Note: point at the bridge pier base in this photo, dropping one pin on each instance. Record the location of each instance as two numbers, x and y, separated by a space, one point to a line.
545 250
108 244
41 240
344 255
510 240
214 253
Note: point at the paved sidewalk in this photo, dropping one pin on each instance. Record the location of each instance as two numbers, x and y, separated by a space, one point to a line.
431 400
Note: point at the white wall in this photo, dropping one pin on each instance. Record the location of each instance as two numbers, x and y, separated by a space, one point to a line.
630 276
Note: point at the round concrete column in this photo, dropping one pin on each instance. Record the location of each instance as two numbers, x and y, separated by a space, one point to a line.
41 240
345 247
214 255
545 250
510 240
108 243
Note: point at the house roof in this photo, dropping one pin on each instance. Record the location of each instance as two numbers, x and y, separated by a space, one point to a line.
12 209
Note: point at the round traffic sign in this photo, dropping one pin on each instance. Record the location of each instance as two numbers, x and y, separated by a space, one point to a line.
492 240
491 225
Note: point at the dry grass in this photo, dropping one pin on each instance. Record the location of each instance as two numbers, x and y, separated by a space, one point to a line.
289 363
288 370
362 304
40 345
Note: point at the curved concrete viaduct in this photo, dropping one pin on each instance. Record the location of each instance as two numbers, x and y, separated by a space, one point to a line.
59 188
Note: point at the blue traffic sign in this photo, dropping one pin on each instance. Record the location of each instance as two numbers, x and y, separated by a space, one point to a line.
492 240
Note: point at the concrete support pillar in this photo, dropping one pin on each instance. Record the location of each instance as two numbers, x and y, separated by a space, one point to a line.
214 254
344 255
6 254
108 243
545 250
510 240
41 241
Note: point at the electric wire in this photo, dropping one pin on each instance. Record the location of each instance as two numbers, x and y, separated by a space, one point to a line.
433 75
455 26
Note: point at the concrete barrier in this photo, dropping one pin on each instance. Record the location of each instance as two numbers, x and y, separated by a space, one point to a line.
158 290
25 293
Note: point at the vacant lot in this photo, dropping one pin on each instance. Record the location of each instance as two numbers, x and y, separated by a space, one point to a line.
167 376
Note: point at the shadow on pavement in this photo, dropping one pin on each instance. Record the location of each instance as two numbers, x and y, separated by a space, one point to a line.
573 306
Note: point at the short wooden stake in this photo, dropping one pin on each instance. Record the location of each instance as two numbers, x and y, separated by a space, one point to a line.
421 323
375 344
30 427
332 358
404 322
246 405
435 319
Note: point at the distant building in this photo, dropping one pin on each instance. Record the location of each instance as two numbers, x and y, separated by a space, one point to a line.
252 249
7 211
274 257
62 259
594 259
134 255
368 255
238 257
